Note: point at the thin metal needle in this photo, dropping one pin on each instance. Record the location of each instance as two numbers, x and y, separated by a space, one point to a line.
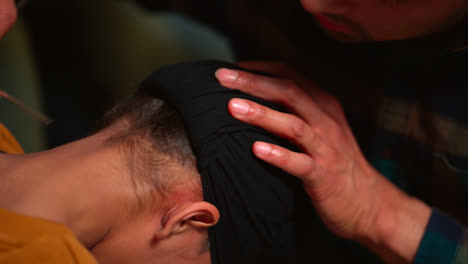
36 114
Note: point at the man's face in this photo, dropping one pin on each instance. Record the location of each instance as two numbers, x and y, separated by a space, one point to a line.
378 20
7 16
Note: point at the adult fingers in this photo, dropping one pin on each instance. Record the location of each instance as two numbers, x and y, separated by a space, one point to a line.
264 87
325 101
298 164
284 125
282 91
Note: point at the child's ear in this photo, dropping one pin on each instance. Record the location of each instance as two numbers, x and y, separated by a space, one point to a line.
193 215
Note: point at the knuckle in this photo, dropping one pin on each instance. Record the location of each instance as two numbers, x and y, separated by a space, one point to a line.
330 129
249 80
258 113
293 91
313 137
298 127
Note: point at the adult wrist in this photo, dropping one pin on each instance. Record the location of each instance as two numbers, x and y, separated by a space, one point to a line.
398 225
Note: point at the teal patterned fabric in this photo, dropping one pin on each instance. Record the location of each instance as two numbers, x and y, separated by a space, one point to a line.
443 242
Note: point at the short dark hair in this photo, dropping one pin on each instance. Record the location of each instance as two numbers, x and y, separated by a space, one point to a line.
151 137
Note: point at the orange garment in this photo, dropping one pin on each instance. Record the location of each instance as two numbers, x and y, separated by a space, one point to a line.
8 143
32 240
29 240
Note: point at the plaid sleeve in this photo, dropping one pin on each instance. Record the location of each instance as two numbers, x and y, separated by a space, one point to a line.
444 241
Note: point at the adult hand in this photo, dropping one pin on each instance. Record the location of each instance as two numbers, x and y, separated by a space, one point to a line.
351 197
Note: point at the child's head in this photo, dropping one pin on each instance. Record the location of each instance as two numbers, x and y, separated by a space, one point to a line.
169 220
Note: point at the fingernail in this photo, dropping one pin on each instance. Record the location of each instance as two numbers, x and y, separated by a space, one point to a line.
226 75
239 107
262 149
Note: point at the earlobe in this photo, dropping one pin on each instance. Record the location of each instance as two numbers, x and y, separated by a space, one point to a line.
192 215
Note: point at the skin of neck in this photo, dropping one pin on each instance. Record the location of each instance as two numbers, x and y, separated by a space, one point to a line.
84 185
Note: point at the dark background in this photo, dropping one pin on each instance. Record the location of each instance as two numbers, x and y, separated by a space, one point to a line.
74 59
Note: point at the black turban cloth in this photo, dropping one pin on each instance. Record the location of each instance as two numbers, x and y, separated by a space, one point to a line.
264 211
